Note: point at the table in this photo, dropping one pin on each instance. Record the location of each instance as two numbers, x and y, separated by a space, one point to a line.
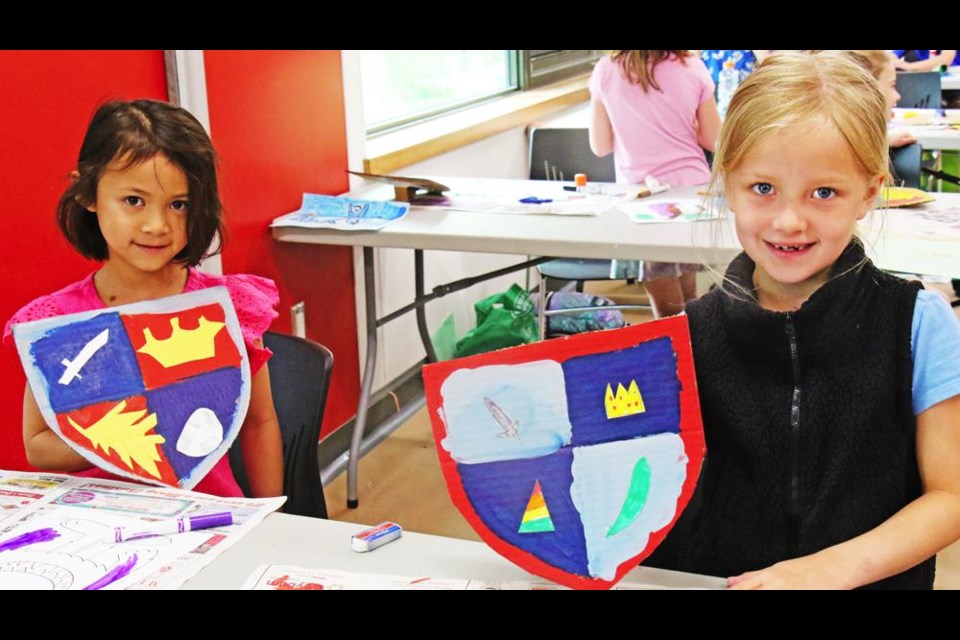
325 544
937 138
930 126
609 235
950 81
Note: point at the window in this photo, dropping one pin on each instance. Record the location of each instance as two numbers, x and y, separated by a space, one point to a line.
401 87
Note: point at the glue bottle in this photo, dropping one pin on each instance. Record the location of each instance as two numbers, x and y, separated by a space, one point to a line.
580 180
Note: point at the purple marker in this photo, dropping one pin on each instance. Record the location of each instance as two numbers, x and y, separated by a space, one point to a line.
167 527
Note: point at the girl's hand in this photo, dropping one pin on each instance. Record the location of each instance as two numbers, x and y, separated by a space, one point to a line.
816 571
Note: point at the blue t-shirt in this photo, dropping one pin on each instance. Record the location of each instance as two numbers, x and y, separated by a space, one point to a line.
743 61
924 54
936 351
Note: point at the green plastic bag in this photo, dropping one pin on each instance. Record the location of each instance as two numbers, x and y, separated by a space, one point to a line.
504 319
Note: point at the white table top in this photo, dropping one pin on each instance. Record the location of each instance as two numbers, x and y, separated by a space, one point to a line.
898 239
937 138
610 235
930 126
325 544
950 81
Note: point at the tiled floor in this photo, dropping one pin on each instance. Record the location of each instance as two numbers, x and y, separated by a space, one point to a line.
401 481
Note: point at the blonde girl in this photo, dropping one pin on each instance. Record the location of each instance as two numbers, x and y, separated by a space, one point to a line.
830 390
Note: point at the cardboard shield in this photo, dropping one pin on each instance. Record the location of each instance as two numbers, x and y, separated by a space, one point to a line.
154 391
572 457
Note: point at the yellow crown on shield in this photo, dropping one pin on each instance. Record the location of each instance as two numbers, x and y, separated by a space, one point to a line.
183 346
627 402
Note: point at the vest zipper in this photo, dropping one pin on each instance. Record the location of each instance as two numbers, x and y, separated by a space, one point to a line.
793 506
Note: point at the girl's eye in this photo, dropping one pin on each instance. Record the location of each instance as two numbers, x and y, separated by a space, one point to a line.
179 205
823 193
133 201
763 188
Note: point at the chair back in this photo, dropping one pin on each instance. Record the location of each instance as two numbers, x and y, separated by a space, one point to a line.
905 163
559 154
918 90
299 378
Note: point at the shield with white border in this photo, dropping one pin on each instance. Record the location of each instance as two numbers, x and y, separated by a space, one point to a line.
154 391
572 457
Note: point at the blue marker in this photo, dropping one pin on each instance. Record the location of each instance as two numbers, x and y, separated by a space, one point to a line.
168 527
535 200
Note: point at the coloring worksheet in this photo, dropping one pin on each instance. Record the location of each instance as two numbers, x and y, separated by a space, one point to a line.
65 537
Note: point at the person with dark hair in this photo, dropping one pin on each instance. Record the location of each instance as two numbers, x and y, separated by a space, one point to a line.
143 200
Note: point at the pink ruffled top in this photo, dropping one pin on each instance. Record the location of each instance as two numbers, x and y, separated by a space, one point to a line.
255 300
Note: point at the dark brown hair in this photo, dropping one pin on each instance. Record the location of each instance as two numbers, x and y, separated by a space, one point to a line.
131 133
639 66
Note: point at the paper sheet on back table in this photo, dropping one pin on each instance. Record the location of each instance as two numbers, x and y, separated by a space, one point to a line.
57 532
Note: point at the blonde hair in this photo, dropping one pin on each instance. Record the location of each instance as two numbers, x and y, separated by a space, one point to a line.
792 89
796 89
873 60
638 66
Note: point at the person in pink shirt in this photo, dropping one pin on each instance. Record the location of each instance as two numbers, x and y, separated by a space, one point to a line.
143 200
656 112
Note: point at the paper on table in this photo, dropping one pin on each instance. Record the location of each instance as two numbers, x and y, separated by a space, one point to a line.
273 577
343 214
690 210
557 205
903 197
20 489
59 539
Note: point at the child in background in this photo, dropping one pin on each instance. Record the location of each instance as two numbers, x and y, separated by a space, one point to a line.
931 60
830 390
143 200
656 112
925 59
881 64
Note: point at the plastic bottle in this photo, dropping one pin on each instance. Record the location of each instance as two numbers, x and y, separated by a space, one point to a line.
729 79
580 180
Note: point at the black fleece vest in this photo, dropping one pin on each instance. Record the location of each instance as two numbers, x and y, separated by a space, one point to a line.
808 420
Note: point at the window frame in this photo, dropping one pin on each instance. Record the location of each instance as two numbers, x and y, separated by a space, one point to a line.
527 69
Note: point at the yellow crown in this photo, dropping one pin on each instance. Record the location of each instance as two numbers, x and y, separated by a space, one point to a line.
182 346
627 402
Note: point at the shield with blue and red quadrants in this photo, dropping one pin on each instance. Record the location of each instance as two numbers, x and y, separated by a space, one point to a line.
572 457
155 391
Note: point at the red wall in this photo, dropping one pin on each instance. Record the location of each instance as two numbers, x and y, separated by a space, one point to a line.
277 121
48 98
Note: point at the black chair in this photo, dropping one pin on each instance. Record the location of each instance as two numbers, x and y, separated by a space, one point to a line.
919 90
905 165
559 154
299 377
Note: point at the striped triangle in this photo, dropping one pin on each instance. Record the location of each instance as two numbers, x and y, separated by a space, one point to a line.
536 517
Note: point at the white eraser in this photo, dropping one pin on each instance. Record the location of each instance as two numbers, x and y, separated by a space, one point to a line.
374 537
